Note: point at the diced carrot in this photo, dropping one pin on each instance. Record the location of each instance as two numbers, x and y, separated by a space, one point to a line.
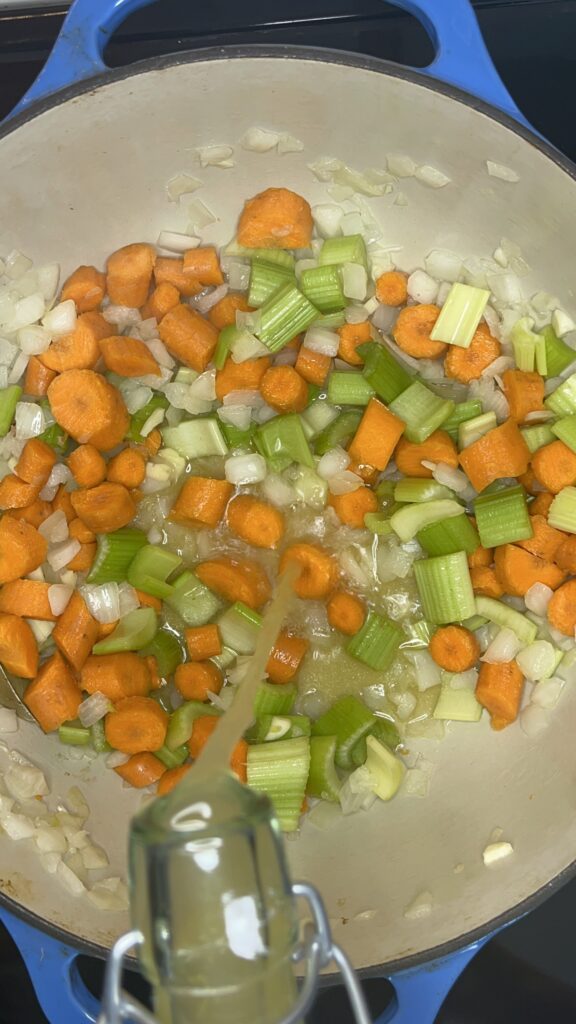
18 647
284 390
439 447
565 556
499 690
412 332
246 376
562 608
153 442
203 642
346 612
392 288
149 601
485 581
351 336
78 350
545 540
14 493
37 378
203 264
141 770
202 730
128 274
76 631
236 579
377 436
22 549
188 337
314 367
89 408
454 648
239 761
128 468
276 219
502 452
170 270
28 598
128 357
255 521
318 570
104 508
223 314
171 778
105 629
529 481
34 513
116 675
36 462
83 560
466 364
201 502
554 466
80 531
196 679
156 680
286 657
137 724
541 504
517 570
524 392
164 297
353 506
86 287
63 503
54 697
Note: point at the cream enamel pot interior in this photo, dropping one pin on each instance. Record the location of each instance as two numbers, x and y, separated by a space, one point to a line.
85 173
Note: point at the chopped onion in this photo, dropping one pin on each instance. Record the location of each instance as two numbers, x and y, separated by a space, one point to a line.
318 339
94 708
278 491
182 185
259 140
422 287
236 415
17 826
48 278
30 420
18 368
238 275
204 302
357 792
216 156
344 482
562 323
200 215
8 720
447 475
102 601
27 311
426 669
431 176
109 894
59 595
286 357
250 398
498 366
154 420
204 387
464 680
122 316
55 527
384 318
537 598
334 461
61 554
245 469
289 144
495 852
94 857
34 340
537 660
175 241
505 288
25 781
247 346
327 218
533 720
16 264
137 398
491 397
539 416
443 264
127 599
116 759
421 906
62 318
502 172
357 314
354 281
504 647
400 165
70 879
50 839
547 692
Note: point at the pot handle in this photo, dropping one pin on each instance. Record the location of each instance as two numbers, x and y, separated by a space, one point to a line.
53 971
461 55
420 992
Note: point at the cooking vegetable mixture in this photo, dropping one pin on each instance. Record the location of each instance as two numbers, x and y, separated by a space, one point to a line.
179 429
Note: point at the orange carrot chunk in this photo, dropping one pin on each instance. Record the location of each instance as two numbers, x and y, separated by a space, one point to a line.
18 647
284 389
78 350
562 608
14 493
439 447
22 549
545 540
128 357
203 264
412 332
83 560
314 367
203 642
255 521
35 513
196 679
246 376
128 274
87 466
141 770
54 697
86 287
170 270
377 435
164 297
62 503
499 690
127 468
89 408
37 378
541 504
346 612
454 648
466 364
201 502
276 219
36 462
392 288
137 724
501 452
518 570
318 571
286 657
351 336
104 508
352 507
188 337
76 631
565 556
223 314
485 581
554 466
171 778
524 392
116 675
28 598
236 579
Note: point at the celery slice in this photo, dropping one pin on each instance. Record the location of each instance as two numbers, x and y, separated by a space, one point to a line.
457 705
502 517
347 720
266 278
239 627
339 432
460 315
284 436
74 735
445 538
506 617
182 722
565 430
285 315
562 401
138 419
445 588
423 412
9 398
524 342
539 435
387 769
272 699
349 249
114 555
559 355
410 519
194 602
280 770
323 287
150 568
349 387
134 631
172 758
562 511
165 647
197 438
376 643
384 373
472 430
415 489
462 412
323 780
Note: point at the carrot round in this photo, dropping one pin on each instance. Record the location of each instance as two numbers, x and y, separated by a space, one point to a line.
554 466
346 612
128 274
128 357
135 725
37 378
485 581
392 288
502 452
541 504
164 297
545 540
63 503
236 579
117 676
128 468
202 730
284 389
314 367
466 364
562 608
255 521
239 761
171 778
318 570
196 679
35 513
499 690
203 264
439 447
454 648
153 442
18 648
86 287
565 556
351 336
28 598
104 508
76 631
188 337
524 392
352 507
22 549
223 314
89 408
141 770
87 466
82 561
377 435
54 697
15 493
276 219
517 570
286 657
78 350
36 462
203 642
412 332
170 270
246 376
201 502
